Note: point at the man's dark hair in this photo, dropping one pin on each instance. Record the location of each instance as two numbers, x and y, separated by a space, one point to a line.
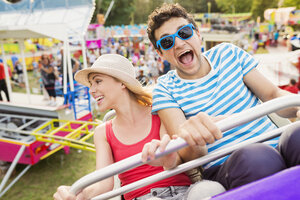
293 82
162 14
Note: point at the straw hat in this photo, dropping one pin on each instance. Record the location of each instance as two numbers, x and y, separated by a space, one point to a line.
115 66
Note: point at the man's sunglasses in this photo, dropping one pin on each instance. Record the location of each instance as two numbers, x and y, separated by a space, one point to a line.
184 33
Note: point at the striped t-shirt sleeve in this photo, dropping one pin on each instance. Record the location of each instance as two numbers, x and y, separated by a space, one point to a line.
247 61
162 98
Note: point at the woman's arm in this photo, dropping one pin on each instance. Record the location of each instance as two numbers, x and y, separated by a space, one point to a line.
103 158
169 161
48 70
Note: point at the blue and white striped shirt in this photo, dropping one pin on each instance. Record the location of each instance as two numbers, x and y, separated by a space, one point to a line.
221 92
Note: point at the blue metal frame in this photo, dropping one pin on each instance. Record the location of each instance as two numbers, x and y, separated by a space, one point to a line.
79 99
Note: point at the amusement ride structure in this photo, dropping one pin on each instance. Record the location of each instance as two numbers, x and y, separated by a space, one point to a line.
29 130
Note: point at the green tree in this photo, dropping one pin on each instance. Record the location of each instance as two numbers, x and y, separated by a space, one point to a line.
121 12
234 6
198 6
143 8
259 7
291 3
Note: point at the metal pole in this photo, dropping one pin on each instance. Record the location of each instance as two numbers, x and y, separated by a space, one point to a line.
7 77
70 70
15 180
21 44
65 69
109 9
83 47
12 166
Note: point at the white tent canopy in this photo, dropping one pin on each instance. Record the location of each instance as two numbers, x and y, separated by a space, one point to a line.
61 19
33 31
281 15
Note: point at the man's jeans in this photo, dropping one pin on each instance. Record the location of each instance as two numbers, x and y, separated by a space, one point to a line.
169 193
257 161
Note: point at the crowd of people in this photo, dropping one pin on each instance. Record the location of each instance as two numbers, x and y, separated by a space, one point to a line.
48 69
148 65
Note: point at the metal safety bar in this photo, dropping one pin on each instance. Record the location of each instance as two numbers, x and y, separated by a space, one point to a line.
191 164
72 138
175 145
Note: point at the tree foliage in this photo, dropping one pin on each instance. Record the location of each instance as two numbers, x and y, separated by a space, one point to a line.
143 8
137 11
234 6
121 12
198 6
259 6
291 3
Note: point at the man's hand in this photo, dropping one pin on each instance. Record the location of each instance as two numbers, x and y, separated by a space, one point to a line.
298 113
200 130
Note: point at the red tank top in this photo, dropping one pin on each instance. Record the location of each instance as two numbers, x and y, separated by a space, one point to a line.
121 151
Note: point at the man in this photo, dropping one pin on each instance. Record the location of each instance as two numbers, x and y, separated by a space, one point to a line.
167 66
3 86
206 87
292 86
75 67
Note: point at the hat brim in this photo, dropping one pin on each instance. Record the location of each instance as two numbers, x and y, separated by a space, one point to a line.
131 83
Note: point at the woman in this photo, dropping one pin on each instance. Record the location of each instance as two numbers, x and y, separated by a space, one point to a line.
113 85
48 78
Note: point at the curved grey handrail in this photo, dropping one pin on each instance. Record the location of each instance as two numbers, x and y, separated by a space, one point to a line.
191 164
175 145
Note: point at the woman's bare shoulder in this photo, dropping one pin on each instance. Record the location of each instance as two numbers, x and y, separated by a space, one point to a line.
100 131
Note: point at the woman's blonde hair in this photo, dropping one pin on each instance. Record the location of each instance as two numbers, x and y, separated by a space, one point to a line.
144 99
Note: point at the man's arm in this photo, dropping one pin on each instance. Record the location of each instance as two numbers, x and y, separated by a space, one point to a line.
265 90
174 120
75 66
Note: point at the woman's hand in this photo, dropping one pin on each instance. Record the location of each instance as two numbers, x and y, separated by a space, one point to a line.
63 193
169 161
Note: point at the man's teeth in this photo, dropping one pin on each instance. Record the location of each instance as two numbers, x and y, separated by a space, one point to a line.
99 98
184 52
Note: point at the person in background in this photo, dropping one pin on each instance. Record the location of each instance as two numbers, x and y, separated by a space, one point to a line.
48 78
292 87
295 42
75 67
18 69
3 86
92 56
167 67
14 59
276 37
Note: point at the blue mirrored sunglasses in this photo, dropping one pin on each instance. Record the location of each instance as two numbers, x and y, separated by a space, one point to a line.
184 33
